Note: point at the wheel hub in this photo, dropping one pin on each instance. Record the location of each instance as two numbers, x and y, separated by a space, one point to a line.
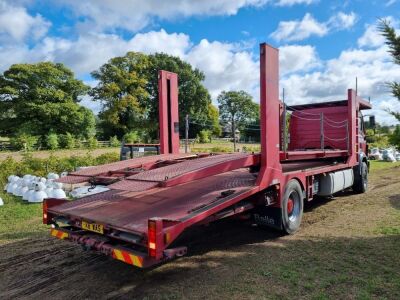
290 205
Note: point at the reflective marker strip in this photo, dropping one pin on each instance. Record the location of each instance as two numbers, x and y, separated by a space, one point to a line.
59 234
128 258
124 256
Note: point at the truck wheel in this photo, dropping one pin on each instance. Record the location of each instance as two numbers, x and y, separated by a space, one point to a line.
360 178
292 207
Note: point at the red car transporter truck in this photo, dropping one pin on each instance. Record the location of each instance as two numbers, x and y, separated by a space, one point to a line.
153 199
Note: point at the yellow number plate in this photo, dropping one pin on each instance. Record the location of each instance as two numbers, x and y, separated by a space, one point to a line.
93 227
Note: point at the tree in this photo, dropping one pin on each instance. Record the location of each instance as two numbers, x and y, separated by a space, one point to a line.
36 99
128 90
393 41
394 138
213 116
194 98
122 90
237 109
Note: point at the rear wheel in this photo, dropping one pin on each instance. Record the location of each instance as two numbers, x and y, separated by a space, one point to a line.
360 178
292 207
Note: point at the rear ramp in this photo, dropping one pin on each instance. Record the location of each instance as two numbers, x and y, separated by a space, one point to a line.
130 211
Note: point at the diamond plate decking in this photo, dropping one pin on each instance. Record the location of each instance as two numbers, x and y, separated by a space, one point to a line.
72 179
171 171
130 211
133 185
127 164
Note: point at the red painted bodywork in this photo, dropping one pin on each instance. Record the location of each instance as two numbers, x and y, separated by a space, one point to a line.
177 191
305 129
168 112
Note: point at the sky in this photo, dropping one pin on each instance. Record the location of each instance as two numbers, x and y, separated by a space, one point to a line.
324 45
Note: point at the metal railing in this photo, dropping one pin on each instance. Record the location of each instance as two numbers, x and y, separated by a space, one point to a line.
324 122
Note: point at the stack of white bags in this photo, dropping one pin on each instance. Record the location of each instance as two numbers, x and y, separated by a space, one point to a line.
35 189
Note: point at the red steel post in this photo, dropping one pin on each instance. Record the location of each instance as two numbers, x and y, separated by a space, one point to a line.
351 108
168 112
271 169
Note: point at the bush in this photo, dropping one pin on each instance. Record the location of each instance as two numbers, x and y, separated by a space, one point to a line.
79 144
92 143
205 136
131 137
24 142
114 142
52 141
394 138
67 141
221 149
251 149
106 158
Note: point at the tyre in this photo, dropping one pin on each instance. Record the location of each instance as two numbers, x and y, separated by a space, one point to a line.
360 178
292 207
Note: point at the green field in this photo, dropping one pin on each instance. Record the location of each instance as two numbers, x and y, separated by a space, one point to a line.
379 165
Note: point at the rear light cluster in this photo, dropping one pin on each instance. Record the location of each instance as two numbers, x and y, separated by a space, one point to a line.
152 238
48 203
45 207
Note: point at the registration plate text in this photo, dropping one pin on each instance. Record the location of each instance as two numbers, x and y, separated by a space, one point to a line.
93 227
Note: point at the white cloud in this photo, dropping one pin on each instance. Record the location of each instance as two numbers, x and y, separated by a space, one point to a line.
372 67
342 20
294 2
16 24
225 66
91 50
298 30
371 37
11 55
134 15
156 41
294 58
229 66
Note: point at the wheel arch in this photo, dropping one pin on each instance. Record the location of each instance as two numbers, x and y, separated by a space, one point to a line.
363 158
300 182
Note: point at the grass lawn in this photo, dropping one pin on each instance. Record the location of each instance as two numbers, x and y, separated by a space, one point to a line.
18 219
224 146
379 165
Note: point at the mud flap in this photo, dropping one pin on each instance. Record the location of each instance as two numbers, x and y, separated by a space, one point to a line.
268 216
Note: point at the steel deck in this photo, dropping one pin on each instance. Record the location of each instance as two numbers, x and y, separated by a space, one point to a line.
86 173
179 169
127 164
130 211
